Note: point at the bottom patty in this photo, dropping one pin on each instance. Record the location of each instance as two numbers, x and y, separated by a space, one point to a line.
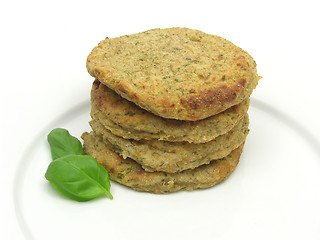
131 174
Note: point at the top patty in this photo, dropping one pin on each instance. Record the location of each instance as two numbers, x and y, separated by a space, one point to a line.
175 73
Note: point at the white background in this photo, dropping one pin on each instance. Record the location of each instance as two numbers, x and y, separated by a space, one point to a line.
44 45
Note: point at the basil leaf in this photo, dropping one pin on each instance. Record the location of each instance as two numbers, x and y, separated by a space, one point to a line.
79 177
62 143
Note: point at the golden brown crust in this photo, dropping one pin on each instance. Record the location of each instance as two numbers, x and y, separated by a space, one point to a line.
125 119
129 173
175 73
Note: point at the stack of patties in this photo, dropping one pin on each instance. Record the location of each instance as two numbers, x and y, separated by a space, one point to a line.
169 108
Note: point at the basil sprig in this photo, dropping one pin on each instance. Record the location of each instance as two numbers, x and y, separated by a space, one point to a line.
72 173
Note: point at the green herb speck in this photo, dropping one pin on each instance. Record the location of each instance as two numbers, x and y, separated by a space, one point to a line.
130 113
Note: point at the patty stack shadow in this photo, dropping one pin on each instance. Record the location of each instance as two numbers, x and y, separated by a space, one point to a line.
169 108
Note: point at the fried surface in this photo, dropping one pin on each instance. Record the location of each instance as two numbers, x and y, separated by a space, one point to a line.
130 173
175 73
125 119
171 157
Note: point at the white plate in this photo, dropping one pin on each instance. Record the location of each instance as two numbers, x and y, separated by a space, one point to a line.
273 192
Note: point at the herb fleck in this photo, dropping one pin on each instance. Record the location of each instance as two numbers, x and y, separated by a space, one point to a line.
243 68
130 113
192 60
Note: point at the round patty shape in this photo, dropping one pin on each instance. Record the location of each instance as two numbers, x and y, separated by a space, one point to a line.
130 173
154 155
175 73
125 119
